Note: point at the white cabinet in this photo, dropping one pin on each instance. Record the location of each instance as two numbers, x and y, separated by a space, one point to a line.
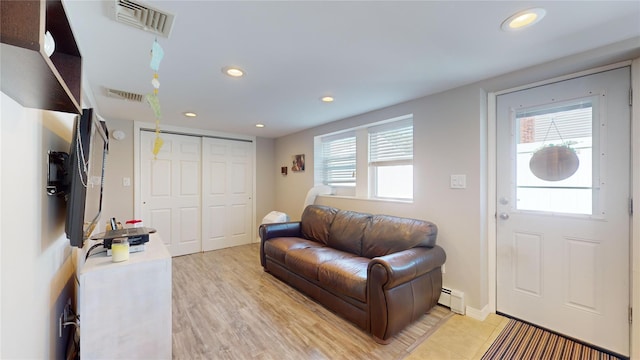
125 308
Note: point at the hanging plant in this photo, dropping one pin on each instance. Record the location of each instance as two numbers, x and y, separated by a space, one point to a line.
554 162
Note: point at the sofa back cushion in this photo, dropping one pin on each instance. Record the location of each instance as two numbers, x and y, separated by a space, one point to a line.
316 221
347 231
389 234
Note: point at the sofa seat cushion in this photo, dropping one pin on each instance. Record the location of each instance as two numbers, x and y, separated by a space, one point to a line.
306 261
346 276
277 248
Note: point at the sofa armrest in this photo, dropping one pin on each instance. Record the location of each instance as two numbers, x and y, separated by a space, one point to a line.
273 230
398 268
401 287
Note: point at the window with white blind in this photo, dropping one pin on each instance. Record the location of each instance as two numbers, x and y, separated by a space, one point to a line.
391 160
338 154
372 161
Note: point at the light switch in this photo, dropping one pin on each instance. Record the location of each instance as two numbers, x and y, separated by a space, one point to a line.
126 181
458 182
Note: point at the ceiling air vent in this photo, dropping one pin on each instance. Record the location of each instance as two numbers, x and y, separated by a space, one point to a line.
143 17
124 95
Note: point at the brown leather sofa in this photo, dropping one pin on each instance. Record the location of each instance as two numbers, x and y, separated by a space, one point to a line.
380 272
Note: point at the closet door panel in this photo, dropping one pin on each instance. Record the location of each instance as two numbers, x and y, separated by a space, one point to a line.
170 187
227 202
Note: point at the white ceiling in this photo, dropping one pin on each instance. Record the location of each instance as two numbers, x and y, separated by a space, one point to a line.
367 54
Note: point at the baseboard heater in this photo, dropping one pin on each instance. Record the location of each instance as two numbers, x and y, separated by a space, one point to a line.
453 299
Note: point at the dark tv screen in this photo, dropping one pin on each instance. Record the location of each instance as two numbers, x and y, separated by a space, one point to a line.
87 156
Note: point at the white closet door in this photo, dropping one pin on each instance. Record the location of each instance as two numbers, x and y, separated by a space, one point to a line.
227 167
170 189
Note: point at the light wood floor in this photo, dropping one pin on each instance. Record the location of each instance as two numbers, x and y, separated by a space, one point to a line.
226 307
460 338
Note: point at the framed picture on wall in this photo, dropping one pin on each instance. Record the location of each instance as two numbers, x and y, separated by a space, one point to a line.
297 163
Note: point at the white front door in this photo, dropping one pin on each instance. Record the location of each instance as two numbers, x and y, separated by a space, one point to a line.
170 190
227 203
563 162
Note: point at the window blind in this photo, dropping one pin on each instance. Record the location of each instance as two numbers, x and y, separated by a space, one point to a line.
391 144
339 160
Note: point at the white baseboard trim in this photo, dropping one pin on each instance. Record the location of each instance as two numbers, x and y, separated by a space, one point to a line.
478 314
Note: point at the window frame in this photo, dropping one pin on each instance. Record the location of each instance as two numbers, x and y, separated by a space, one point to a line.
325 174
596 143
365 181
397 154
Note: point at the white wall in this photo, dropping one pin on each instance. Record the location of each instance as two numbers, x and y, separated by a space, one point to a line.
437 154
635 157
450 131
118 199
266 172
37 264
1 221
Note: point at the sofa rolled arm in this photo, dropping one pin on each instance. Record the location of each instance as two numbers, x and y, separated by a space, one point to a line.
403 266
401 287
273 230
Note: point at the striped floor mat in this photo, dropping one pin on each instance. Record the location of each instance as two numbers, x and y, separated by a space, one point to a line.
519 340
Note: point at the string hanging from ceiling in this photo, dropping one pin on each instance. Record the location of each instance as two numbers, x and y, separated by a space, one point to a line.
156 57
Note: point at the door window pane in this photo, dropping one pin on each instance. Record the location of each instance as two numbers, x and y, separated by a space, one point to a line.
568 125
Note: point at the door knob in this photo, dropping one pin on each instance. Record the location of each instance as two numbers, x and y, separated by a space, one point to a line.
504 216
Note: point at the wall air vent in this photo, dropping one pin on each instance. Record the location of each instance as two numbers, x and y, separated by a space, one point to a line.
124 95
143 17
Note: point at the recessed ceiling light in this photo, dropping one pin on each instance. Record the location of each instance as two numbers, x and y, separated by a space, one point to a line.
190 114
327 99
259 125
233 71
523 19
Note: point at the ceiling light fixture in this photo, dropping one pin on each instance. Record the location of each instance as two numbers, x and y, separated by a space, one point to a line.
259 125
233 71
327 99
523 19
190 114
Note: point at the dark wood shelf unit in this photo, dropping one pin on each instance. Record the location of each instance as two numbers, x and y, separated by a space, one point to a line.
27 74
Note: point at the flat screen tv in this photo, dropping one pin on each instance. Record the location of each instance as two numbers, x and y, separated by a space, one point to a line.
86 165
